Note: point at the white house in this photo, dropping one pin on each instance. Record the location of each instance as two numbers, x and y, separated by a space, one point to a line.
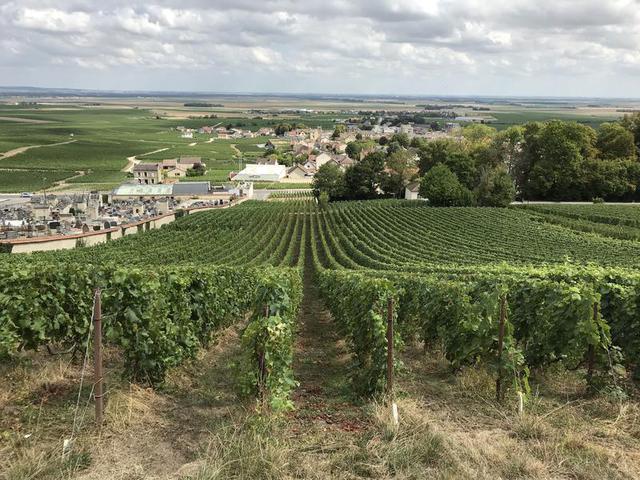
298 173
411 191
322 159
406 128
13 223
265 173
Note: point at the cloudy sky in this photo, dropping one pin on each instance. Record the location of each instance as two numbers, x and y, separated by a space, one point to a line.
455 47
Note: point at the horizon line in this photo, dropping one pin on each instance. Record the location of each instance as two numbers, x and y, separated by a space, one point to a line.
6 89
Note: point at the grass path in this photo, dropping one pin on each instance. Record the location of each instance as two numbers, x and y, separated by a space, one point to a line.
16 151
323 400
62 184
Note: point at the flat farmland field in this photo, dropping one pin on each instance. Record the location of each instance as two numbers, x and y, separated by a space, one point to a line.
101 176
98 142
98 135
12 181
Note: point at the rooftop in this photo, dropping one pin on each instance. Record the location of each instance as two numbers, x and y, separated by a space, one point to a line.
145 167
191 188
132 189
413 186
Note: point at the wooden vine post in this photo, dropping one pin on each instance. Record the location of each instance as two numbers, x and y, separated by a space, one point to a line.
97 357
390 348
591 352
503 318
262 369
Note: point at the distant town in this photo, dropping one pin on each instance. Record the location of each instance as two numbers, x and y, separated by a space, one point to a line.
292 154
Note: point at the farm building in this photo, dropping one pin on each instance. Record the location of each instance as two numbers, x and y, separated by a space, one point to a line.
411 191
300 173
322 159
181 191
154 191
147 173
265 173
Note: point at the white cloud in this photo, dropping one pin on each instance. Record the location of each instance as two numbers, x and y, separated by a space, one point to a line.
403 46
265 56
52 20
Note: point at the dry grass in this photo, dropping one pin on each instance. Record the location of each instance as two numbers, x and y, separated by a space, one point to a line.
195 428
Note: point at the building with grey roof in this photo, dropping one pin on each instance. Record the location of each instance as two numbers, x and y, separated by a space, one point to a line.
157 191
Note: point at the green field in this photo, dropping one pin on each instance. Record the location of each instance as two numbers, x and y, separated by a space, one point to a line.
12 181
505 119
101 176
101 139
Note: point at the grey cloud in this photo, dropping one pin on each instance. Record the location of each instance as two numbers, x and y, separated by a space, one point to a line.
407 46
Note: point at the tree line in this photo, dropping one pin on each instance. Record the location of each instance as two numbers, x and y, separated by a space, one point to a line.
554 160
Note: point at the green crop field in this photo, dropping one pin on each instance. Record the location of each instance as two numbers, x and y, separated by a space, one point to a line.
389 237
507 118
99 140
12 181
101 176
616 221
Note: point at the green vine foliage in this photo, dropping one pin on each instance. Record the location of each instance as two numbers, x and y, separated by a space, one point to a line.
44 303
267 366
158 317
359 306
445 270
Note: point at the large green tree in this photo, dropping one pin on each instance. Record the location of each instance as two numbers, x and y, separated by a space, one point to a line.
353 150
495 188
454 155
441 188
363 179
632 123
612 180
478 133
339 130
615 142
402 138
556 152
282 128
329 179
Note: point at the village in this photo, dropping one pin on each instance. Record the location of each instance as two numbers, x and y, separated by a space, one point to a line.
292 155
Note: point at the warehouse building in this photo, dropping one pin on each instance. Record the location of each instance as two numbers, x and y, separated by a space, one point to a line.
131 191
262 173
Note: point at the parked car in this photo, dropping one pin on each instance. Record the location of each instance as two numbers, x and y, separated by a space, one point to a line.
26 195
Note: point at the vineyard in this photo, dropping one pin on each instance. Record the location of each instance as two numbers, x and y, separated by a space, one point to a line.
568 295
511 291
98 143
